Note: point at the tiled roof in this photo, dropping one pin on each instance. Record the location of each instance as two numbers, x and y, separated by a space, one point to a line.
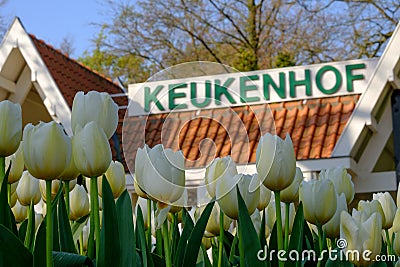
314 126
72 77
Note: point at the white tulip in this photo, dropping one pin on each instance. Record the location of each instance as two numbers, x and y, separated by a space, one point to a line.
291 193
28 189
341 180
219 168
332 227
97 107
17 165
11 127
362 232
265 197
91 150
79 203
227 196
388 207
46 149
20 212
160 173
275 162
319 200
115 176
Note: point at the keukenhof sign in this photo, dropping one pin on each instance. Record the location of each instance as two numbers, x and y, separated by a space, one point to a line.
238 88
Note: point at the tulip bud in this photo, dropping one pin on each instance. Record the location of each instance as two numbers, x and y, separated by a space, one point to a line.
97 107
396 222
47 150
28 189
20 212
79 203
319 200
256 220
181 202
115 176
11 127
332 227
85 237
275 161
212 228
91 151
361 235
55 186
265 197
17 165
291 193
14 195
369 207
388 207
227 198
160 173
38 220
270 216
206 242
218 169
341 180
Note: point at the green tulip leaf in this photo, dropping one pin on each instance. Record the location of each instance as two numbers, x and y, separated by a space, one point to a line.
30 229
141 239
56 238
195 238
126 230
39 251
174 235
109 253
273 245
248 235
297 236
22 230
263 240
12 250
6 215
207 262
159 243
64 229
187 229
228 240
77 227
234 251
65 259
158 261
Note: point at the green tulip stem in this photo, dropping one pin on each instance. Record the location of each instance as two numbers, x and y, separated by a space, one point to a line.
49 226
320 241
388 244
286 241
149 209
9 193
279 222
81 243
2 169
94 193
167 253
241 244
66 183
221 237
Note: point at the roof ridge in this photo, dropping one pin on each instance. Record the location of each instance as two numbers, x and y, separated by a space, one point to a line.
67 57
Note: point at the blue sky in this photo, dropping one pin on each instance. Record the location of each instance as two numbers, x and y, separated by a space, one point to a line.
52 20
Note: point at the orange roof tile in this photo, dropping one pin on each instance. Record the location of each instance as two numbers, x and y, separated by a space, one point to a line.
314 125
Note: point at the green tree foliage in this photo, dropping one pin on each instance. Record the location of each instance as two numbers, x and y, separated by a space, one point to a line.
139 38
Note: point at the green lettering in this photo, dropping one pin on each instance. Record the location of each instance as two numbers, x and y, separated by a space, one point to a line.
280 90
172 95
251 87
350 77
152 97
321 73
223 90
293 83
193 95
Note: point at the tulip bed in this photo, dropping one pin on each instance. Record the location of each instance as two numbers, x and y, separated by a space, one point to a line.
272 218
